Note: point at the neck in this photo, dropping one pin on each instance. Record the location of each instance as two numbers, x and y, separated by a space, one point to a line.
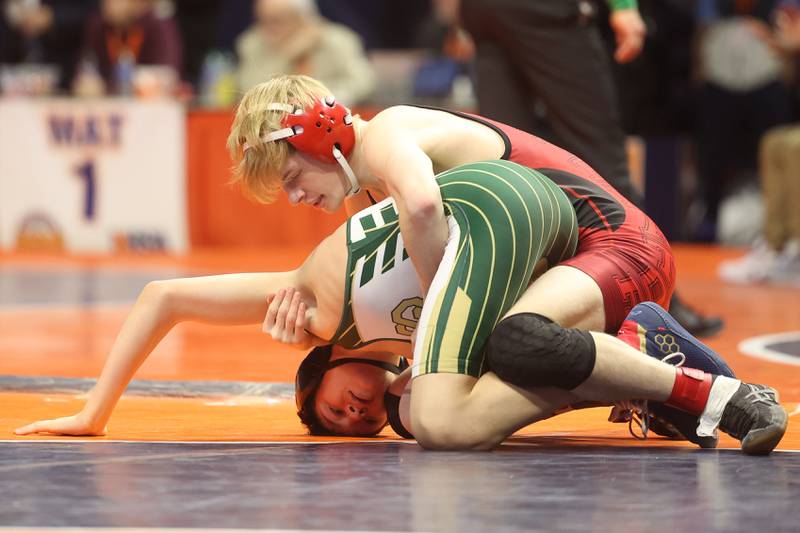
358 162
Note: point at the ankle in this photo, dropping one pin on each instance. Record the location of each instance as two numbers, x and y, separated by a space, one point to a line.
691 390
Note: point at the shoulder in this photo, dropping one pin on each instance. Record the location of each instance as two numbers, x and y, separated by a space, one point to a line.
383 132
392 119
408 124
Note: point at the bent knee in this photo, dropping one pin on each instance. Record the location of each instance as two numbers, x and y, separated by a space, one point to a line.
441 417
447 433
530 350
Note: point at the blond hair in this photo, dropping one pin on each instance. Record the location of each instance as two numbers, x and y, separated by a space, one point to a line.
257 169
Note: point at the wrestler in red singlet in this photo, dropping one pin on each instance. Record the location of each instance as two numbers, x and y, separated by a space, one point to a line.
618 245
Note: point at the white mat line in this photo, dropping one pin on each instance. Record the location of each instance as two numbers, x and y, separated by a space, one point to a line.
758 347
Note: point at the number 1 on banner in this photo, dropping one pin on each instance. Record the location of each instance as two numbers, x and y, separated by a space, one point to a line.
86 172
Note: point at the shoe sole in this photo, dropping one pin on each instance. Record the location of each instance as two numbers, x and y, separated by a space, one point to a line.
678 427
762 441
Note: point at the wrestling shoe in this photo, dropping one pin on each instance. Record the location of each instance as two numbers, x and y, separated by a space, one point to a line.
755 417
651 330
753 267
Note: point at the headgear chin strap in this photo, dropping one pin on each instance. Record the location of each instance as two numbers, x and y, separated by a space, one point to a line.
317 362
323 131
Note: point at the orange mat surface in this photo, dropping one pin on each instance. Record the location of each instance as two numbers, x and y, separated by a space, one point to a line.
65 341
253 419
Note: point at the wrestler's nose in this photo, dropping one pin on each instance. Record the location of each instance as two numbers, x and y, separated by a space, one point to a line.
295 194
356 412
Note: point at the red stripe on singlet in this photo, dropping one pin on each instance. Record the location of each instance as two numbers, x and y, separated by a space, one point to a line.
593 206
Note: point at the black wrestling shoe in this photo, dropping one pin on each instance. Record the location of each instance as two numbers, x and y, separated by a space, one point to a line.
697 324
754 416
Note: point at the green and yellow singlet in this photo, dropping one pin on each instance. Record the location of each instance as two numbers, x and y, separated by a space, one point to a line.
504 220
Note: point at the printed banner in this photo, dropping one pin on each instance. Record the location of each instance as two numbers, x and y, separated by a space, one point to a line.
92 175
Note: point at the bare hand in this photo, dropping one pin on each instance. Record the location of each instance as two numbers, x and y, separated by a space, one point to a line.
286 320
68 425
629 30
787 33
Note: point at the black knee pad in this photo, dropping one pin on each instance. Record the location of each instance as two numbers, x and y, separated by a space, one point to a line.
530 350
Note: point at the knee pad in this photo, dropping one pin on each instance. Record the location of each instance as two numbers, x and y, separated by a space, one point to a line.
530 350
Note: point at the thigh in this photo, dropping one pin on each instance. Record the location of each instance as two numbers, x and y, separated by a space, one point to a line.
476 281
504 219
597 288
774 168
459 412
566 295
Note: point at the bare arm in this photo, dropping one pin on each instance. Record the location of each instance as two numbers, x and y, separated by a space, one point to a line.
407 172
230 299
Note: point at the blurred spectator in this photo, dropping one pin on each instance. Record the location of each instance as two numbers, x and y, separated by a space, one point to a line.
656 96
124 34
447 72
289 37
46 31
776 256
742 95
550 52
197 21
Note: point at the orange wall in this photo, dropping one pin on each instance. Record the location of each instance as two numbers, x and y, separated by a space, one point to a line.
219 215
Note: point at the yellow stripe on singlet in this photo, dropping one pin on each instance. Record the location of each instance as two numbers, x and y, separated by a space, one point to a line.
454 332
494 256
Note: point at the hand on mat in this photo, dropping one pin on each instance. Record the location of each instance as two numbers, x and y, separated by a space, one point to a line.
629 30
286 320
68 425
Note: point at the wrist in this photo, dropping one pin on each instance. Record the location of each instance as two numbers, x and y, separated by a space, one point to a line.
91 417
90 425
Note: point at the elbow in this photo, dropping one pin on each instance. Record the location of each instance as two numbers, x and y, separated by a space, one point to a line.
158 296
425 211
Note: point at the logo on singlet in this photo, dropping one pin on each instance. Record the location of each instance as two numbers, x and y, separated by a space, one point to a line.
406 316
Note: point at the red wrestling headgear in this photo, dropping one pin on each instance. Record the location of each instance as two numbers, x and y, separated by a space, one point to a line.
324 131
319 129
